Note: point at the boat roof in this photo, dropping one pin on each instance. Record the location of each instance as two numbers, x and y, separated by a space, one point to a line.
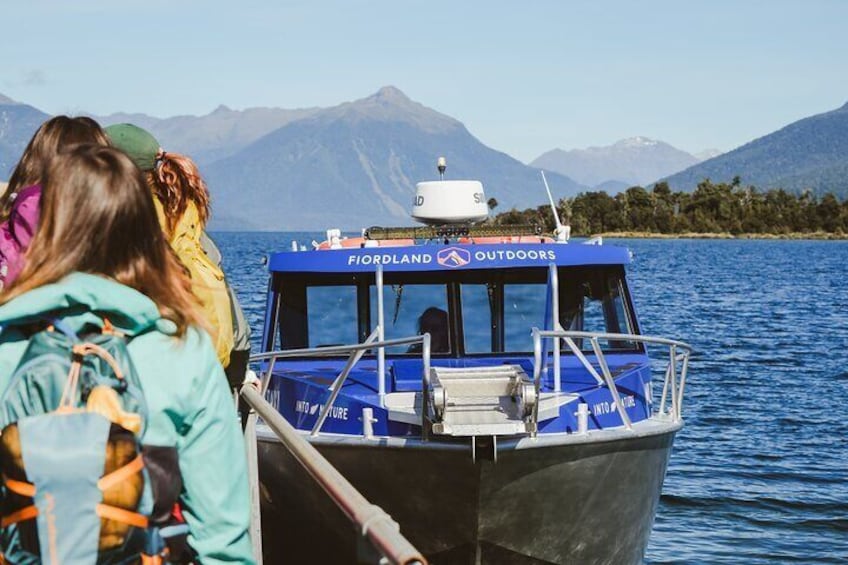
439 256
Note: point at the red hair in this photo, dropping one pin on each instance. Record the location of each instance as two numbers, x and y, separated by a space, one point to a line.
176 182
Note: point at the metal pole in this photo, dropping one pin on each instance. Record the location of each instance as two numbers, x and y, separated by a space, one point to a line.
673 371
371 521
253 480
683 370
425 389
381 352
665 390
537 355
582 358
332 350
537 376
625 419
555 324
354 358
265 381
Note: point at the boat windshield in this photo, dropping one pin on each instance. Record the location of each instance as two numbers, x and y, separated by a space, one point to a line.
466 313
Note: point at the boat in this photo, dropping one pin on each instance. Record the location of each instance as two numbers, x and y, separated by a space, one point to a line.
488 386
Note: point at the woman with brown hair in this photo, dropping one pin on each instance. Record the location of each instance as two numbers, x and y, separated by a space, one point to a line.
99 254
19 204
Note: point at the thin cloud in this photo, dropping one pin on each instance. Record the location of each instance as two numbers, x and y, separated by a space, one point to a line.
27 78
33 77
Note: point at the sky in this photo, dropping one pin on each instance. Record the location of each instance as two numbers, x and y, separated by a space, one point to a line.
524 77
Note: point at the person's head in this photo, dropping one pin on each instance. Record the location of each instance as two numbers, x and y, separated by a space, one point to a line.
435 322
173 178
97 217
138 144
51 136
176 182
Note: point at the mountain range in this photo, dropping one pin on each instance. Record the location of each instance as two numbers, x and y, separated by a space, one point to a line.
356 164
348 166
811 153
217 135
361 160
629 162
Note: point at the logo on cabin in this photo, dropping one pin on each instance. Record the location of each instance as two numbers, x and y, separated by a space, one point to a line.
453 257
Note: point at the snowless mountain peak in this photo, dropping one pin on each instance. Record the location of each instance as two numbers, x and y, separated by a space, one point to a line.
390 94
222 109
390 104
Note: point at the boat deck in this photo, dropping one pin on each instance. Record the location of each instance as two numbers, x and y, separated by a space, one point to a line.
301 388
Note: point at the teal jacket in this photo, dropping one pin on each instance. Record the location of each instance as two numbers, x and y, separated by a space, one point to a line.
189 402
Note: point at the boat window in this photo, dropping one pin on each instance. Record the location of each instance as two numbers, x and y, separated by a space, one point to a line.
331 315
490 311
476 311
595 302
524 309
498 315
413 309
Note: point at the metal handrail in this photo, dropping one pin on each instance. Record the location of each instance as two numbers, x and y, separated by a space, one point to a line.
371 520
670 384
356 351
334 350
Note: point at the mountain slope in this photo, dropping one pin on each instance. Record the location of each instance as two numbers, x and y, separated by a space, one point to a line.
632 161
810 153
219 134
357 164
17 124
707 154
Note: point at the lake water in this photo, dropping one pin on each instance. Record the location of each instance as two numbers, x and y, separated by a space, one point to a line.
760 472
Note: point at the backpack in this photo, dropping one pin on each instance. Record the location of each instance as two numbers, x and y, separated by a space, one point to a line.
78 485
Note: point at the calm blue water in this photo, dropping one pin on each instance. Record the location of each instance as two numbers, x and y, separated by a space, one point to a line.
760 472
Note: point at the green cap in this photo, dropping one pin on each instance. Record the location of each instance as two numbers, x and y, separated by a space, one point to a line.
137 143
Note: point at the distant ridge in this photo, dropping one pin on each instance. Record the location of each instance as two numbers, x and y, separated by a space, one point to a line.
811 153
17 124
628 162
217 135
612 186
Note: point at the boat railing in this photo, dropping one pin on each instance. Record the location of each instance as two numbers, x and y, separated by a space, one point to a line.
674 382
371 521
355 353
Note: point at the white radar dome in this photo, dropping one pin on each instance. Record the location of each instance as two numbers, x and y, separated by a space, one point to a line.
449 202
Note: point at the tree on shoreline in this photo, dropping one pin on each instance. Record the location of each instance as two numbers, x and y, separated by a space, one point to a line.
712 208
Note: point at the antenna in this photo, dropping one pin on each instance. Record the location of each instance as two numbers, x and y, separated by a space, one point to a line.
442 165
562 232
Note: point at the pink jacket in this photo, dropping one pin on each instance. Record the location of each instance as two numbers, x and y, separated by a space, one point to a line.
16 233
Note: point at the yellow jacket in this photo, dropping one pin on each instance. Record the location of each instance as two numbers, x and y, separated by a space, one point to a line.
207 280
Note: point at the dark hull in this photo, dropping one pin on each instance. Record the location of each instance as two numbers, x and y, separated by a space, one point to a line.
589 502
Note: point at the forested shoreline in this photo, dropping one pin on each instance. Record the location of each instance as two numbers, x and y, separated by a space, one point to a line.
712 210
